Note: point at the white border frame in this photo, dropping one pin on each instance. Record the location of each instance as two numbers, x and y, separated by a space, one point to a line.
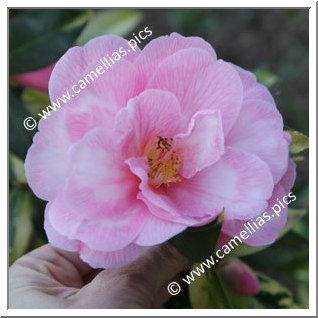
312 163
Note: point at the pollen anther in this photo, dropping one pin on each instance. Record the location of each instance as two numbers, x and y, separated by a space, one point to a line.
164 163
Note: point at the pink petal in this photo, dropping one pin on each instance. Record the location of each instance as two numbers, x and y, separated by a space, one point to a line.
99 259
159 203
259 130
108 44
98 234
38 79
287 137
96 259
289 178
162 47
251 88
111 235
239 182
101 184
152 113
156 231
77 62
212 85
203 143
98 104
266 233
46 163
55 238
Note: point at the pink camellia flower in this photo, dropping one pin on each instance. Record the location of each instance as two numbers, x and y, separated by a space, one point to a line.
164 140
38 79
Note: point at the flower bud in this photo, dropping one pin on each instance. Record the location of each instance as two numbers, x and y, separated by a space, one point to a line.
38 79
239 278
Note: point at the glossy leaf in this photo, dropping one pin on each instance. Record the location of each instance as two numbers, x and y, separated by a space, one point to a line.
207 291
198 243
244 302
300 142
298 158
291 248
274 295
17 168
118 22
21 227
265 77
35 101
39 37
20 139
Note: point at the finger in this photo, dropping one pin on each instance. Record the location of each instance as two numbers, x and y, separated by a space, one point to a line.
158 265
163 295
49 256
73 257
134 285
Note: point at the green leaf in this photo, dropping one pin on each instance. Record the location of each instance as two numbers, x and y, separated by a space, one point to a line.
35 101
17 168
294 215
291 248
302 228
300 142
265 77
244 302
38 38
38 208
20 139
298 158
20 222
274 295
207 291
197 243
118 22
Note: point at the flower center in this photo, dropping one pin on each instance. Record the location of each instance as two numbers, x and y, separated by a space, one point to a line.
163 162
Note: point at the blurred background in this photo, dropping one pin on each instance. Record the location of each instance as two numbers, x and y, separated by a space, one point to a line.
273 43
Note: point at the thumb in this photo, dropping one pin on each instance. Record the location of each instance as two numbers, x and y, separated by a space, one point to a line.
135 285
159 264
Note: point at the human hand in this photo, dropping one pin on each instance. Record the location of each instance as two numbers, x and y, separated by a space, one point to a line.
49 277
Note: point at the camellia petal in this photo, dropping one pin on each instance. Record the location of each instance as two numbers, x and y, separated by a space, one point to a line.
162 47
156 231
101 184
212 85
151 114
203 143
43 169
100 259
99 234
239 182
258 120
77 62
266 233
96 259
252 89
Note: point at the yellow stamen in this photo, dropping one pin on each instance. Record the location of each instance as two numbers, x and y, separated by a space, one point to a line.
164 163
